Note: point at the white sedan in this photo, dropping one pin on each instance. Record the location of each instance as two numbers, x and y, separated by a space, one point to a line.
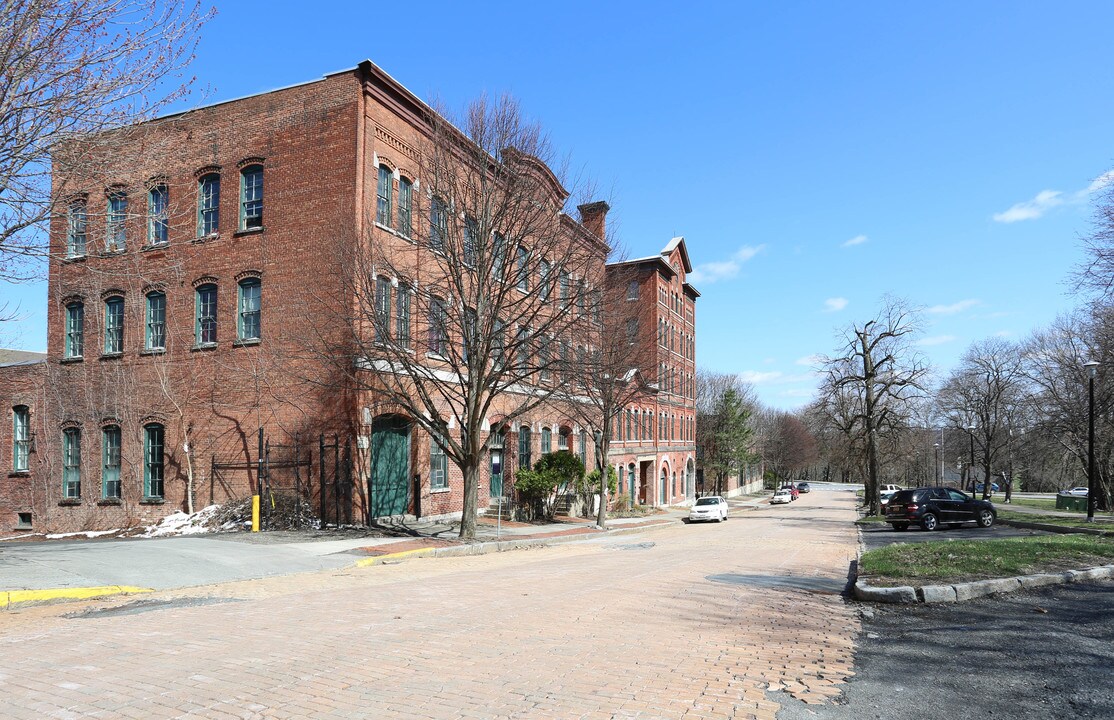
782 496
1076 491
712 507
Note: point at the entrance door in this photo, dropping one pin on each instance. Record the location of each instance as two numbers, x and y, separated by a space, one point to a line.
390 465
496 472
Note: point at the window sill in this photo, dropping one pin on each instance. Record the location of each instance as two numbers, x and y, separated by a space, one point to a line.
247 231
152 501
153 351
203 347
113 253
248 343
19 474
206 238
69 502
74 359
110 501
76 259
154 246
439 491
111 356
394 232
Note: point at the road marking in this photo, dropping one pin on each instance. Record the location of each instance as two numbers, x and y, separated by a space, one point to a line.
16 597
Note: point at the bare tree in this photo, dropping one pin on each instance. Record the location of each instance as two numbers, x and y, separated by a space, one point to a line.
71 69
789 445
874 378
500 285
1096 275
985 390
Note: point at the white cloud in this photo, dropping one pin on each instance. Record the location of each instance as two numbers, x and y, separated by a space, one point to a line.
1031 209
835 304
810 360
954 308
857 240
711 272
758 378
936 340
1045 200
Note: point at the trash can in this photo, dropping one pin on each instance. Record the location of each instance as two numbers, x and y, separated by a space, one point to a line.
1071 502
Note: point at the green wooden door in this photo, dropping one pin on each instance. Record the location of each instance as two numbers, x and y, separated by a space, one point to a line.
390 465
496 472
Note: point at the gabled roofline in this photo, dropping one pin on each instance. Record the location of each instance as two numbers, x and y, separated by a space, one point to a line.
653 260
688 288
676 242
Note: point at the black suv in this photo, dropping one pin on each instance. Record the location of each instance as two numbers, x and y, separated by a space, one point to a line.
936 506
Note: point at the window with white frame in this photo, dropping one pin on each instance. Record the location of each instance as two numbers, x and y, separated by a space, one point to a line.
71 463
438 332
205 326
382 319
208 204
77 220
250 301
75 330
155 336
438 464
402 311
116 221
405 205
153 461
438 224
547 441
21 438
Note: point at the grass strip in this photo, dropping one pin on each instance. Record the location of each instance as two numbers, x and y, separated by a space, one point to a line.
1035 503
948 561
1054 520
869 519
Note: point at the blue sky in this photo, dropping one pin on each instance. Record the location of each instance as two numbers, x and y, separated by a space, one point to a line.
815 155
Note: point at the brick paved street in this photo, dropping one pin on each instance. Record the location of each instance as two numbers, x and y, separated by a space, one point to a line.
628 626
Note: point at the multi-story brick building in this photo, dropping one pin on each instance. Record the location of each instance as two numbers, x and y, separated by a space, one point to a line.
653 447
198 283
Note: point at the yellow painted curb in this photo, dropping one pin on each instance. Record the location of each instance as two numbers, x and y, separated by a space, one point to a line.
416 553
15 597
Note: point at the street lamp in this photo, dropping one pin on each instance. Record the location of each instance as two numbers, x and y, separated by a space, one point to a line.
1092 496
936 466
971 434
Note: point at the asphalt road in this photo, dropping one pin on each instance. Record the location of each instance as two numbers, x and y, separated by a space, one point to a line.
1042 654
878 535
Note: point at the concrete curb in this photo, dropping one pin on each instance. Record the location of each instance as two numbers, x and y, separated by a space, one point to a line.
1062 529
493 546
9 598
958 592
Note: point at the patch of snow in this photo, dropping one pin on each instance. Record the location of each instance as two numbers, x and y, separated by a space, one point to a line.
181 523
85 533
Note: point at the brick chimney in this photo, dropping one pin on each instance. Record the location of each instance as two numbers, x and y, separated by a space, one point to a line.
593 217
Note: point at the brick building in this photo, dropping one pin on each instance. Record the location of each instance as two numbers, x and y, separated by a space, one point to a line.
653 448
196 278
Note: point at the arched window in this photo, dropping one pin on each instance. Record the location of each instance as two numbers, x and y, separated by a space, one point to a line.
547 440
208 204
524 447
21 437
205 327
116 221
251 197
75 329
155 336
632 290
405 205
153 461
158 222
383 196
71 463
438 464
248 326
75 232
110 462
114 325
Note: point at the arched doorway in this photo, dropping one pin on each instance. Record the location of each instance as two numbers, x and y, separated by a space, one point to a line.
663 481
690 478
390 465
630 483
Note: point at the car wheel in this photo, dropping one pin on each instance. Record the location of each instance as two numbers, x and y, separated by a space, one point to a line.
986 518
930 522
900 526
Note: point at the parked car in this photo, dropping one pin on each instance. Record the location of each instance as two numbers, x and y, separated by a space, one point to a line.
993 487
889 489
803 487
712 507
1076 491
793 491
782 497
933 507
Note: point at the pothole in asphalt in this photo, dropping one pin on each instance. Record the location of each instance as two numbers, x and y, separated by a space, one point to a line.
142 606
808 584
636 546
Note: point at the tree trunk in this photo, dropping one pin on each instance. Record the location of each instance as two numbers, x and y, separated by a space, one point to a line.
468 512
605 469
188 448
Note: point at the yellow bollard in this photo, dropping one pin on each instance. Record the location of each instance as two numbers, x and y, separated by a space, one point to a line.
255 513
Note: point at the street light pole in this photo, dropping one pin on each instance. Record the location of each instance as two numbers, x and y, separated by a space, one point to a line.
1092 495
971 434
936 466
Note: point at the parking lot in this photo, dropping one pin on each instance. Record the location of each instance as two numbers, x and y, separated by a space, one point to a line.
879 534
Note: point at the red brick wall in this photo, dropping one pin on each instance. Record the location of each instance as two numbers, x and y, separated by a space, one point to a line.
19 385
